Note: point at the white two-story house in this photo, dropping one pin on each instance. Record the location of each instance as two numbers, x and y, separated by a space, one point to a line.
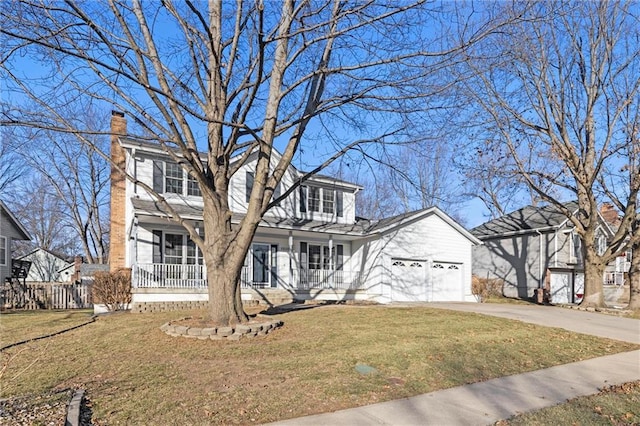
310 246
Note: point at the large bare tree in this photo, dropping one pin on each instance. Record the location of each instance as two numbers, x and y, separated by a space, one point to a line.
620 184
11 168
79 178
232 78
557 87
42 212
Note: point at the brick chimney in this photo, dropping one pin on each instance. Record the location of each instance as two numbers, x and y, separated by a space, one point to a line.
77 265
610 214
117 237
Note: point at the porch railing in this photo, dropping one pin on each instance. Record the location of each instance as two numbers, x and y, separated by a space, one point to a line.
163 275
613 278
326 279
152 275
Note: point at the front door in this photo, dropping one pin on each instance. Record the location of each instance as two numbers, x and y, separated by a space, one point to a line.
261 257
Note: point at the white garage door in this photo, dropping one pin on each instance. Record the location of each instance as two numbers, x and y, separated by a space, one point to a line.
446 282
408 280
560 287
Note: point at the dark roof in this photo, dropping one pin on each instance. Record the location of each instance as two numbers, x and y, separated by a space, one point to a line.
155 208
64 257
526 219
88 269
361 227
14 220
160 150
389 221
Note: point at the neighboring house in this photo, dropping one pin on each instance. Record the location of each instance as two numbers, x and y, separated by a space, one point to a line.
311 246
48 266
615 271
535 247
10 229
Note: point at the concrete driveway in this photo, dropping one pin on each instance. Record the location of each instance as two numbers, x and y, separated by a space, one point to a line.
593 323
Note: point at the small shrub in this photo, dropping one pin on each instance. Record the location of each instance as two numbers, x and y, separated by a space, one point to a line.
485 288
113 289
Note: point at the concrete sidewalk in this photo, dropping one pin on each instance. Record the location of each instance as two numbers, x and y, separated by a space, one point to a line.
487 402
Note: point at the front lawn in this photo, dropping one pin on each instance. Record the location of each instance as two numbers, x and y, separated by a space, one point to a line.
135 374
614 405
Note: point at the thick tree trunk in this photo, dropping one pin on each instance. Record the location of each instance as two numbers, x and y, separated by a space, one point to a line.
225 303
223 253
634 278
593 274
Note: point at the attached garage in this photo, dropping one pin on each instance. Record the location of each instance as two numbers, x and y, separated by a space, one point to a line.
422 256
566 286
418 281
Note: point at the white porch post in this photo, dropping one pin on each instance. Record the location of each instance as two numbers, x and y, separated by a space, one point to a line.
291 261
331 269
133 251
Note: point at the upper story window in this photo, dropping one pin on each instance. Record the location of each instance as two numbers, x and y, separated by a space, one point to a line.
173 178
4 250
601 244
575 248
248 187
317 199
192 187
314 199
170 177
328 201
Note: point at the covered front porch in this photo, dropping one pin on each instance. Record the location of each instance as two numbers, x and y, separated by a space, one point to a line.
162 256
257 275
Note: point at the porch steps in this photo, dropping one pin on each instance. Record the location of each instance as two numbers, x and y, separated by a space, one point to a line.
269 297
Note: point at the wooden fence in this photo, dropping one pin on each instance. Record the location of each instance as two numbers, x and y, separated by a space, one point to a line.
30 296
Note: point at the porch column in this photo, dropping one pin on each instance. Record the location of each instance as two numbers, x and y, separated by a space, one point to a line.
133 251
291 254
331 269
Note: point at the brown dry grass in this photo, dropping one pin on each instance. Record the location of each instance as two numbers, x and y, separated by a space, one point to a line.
614 405
135 374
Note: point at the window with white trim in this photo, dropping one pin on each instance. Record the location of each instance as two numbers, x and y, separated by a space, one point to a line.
328 201
4 251
316 256
601 244
169 177
173 178
175 249
314 199
193 188
317 199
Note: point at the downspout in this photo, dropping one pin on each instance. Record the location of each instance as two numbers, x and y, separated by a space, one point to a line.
555 248
133 250
540 284
291 261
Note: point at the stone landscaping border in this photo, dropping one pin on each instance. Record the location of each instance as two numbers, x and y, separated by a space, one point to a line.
257 328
